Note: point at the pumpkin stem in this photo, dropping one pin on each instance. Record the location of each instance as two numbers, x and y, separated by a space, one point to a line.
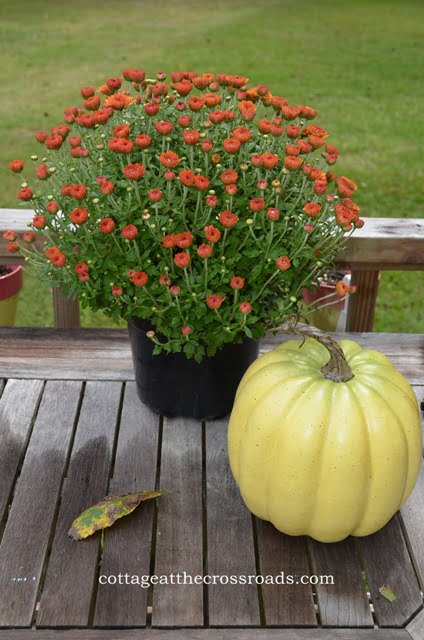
337 368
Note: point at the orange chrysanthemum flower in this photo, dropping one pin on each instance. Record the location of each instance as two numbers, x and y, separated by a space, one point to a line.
342 288
214 301
246 105
229 176
119 101
252 94
169 159
242 133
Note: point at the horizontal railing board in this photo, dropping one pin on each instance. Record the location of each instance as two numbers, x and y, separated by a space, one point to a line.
382 243
386 244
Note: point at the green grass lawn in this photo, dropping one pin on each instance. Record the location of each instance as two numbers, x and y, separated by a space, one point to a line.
358 62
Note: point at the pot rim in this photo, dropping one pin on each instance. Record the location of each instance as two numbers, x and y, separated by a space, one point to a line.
11 283
14 268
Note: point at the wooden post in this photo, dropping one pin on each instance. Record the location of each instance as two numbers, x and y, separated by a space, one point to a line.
361 309
66 311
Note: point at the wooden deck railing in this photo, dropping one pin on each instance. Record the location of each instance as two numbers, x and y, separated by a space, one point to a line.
382 244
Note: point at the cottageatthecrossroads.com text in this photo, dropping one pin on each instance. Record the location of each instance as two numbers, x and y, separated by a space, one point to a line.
183 578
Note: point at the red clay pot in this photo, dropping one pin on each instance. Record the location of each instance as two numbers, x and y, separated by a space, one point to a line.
10 285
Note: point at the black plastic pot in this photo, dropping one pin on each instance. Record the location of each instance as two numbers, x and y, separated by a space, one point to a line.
173 385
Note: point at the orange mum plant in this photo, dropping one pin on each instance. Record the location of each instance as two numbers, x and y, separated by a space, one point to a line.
200 203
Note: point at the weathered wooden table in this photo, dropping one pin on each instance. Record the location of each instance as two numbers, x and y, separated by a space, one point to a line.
72 430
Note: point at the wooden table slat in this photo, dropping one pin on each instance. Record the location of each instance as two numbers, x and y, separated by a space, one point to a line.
211 634
230 543
416 627
69 582
280 555
27 533
419 393
388 564
179 542
344 603
412 513
17 407
104 354
127 544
